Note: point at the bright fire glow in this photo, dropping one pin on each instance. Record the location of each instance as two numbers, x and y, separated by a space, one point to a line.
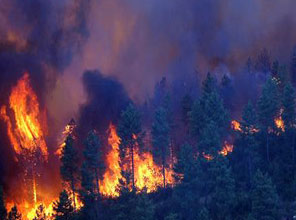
147 173
227 148
279 123
236 125
25 130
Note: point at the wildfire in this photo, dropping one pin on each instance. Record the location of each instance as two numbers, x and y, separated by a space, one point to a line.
236 125
113 173
147 174
280 123
69 130
24 125
227 148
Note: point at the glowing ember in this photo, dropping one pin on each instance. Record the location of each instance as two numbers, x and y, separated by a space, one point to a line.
207 156
279 123
24 128
69 130
236 125
227 148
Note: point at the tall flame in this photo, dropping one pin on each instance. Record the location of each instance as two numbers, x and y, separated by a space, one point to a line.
24 124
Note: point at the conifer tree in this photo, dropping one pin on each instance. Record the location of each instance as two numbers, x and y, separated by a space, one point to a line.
190 177
69 166
210 140
268 109
130 132
293 66
264 198
14 214
160 139
3 211
263 62
94 157
245 156
63 209
289 116
223 194
40 213
187 103
209 108
88 197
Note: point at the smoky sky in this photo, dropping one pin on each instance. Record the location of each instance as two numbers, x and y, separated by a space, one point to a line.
134 44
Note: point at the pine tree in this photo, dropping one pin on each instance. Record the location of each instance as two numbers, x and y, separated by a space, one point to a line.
210 140
264 198
63 209
288 103
263 62
203 214
14 214
187 103
88 197
275 69
223 194
245 156
189 191
94 157
40 213
69 166
209 108
293 66
289 116
268 109
130 132
185 167
132 206
3 211
160 139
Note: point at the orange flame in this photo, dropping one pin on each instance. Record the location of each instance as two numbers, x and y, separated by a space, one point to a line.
147 173
280 123
113 173
236 125
227 148
24 130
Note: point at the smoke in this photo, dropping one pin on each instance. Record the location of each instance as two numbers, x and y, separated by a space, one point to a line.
134 44
106 99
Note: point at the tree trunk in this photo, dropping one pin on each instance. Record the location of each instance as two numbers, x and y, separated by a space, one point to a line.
97 180
293 146
133 168
250 169
267 146
163 173
73 194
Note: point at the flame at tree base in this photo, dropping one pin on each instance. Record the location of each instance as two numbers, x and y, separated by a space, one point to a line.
147 173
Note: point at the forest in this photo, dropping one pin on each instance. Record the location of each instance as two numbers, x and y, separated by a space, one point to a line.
147 110
210 165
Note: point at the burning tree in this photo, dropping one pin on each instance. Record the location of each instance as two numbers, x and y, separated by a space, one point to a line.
69 166
63 207
160 136
130 133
